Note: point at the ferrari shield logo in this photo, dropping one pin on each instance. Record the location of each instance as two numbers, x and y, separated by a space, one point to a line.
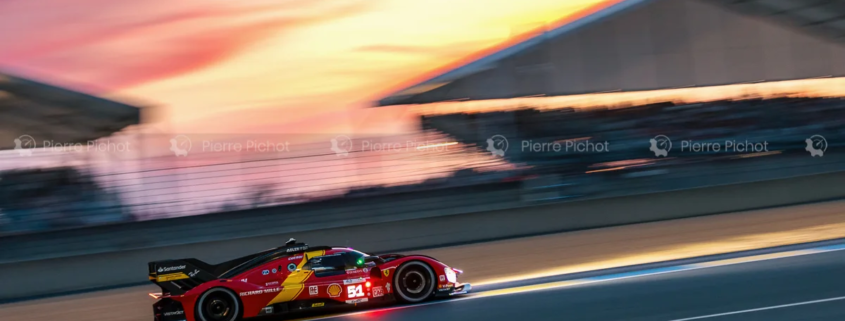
386 272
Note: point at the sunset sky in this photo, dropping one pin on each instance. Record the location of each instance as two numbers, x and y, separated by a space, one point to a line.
270 66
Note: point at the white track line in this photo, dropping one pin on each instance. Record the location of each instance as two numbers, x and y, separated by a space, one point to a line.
762 309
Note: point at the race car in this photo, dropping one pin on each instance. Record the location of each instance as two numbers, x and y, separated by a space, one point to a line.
295 277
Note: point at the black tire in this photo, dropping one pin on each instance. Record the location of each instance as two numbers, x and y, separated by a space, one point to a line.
218 304
414 282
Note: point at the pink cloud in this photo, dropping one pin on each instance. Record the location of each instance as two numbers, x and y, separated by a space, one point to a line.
116 44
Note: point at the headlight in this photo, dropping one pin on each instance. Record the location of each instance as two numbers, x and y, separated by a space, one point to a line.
450 275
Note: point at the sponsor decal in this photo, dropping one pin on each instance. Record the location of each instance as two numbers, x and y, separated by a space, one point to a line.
243 280
296 249
355 271
172 313
354 281
445 286
386 273
355 291
442 278
334 290
313 290
274 271
194 273
387 286
265 272
291 267
293 258
378 292
271 283
171 268
255 292
356 301
318 304
366 270
268 310
171 277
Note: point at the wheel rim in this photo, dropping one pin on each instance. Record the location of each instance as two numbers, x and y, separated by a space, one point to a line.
414 282
218 309
218 305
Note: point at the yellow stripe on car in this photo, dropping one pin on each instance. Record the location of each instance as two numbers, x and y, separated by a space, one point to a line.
171 277
293 284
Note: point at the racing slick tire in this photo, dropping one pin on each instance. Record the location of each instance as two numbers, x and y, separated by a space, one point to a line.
218 304
414 282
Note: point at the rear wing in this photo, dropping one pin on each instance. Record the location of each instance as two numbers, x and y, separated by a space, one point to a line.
176 277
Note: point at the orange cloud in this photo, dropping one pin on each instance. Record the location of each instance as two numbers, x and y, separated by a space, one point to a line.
515 39
148 45
447 49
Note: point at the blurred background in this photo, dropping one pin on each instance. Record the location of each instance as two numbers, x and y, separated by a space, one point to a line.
200 121
256 117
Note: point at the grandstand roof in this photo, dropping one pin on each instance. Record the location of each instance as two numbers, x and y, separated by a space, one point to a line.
824 18
497 75
47 112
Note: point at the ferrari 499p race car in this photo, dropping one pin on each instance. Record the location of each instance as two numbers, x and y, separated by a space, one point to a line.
294 277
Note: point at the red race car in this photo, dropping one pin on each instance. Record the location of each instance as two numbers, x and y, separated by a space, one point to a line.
295 277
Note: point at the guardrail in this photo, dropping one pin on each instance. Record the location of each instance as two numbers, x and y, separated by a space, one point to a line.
125 266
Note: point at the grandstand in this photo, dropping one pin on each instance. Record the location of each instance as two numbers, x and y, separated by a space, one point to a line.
694 70
35 197
640 45
51 113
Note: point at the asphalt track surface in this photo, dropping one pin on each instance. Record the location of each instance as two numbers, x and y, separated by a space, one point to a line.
551 258
806 287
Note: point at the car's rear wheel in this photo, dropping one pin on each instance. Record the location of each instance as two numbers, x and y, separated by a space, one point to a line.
414 282
218 304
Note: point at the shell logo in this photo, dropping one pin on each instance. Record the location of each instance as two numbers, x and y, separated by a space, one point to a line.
334 290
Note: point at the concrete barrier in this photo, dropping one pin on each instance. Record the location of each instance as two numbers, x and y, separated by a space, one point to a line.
76 273
259 221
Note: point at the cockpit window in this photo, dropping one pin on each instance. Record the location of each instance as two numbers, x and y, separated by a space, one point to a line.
327 265
335 264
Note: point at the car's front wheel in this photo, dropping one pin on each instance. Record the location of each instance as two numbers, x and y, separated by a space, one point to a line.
218 304
414 282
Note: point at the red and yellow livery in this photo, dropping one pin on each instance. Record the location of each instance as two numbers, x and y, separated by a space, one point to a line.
294 277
